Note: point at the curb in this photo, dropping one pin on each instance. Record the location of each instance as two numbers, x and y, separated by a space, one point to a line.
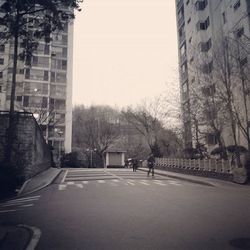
20 193
36 234
181 178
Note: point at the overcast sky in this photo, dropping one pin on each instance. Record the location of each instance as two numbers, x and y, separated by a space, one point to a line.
124 51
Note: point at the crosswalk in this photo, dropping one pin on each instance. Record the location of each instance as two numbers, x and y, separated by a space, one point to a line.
82 178
115 183
18 204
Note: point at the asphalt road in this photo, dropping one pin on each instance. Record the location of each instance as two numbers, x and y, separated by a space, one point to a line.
119 209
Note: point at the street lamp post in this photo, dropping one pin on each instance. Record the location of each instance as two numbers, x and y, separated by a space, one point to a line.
60 133
91 155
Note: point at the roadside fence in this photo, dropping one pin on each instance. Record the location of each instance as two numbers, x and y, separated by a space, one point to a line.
210 165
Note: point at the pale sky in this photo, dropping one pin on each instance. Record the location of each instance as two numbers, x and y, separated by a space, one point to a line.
124 51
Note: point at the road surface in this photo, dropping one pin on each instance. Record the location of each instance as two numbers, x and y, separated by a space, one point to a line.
102 209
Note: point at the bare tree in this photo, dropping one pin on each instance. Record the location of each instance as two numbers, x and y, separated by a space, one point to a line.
220 88
96 128
148 119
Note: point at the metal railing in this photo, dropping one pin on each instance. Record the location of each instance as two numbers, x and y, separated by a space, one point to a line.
211 165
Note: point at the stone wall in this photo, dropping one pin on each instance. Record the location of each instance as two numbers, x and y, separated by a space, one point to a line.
31 154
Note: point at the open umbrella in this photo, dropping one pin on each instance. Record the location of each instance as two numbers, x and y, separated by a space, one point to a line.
236 148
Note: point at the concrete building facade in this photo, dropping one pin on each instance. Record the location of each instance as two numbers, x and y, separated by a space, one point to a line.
206 28
44 87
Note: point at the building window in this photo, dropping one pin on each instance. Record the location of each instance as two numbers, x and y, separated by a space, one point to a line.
52 103
26 101
44 102
1 61
200 5
243 62
224 18
19 98
184 68
53 77
64 39
46 49
64 52
207 68
183 49
2 48
1 74
58 91
240 32
181 14
46 75
60 104
181 31
205 46
61 77
203 25
21 71
65 27
64 64
185 87
237 5
27 74
34 60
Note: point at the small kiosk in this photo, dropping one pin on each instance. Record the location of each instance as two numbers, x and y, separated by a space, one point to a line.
115 158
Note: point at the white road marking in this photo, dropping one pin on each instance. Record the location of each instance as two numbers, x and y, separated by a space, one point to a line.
101 181
25 198
64 177
27 205
85 182
115 180
174 183
79 185
144 183
130 183
70 183
7 211
160 183
62 187
19 201
36 234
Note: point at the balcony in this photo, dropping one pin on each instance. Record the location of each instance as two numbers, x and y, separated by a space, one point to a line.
182 38
183 58
181 21
179 4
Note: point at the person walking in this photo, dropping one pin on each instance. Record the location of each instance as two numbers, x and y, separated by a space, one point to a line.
151 164
135 164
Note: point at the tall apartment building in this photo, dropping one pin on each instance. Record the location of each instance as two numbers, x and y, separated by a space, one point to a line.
44 87
203 27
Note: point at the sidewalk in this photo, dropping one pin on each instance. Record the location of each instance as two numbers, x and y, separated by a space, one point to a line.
39 181
22 237
194 179
14 237
19 237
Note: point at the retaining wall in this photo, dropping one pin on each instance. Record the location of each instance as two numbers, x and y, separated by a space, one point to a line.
31 154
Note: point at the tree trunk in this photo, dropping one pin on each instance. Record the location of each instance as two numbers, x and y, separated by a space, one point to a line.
12 123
